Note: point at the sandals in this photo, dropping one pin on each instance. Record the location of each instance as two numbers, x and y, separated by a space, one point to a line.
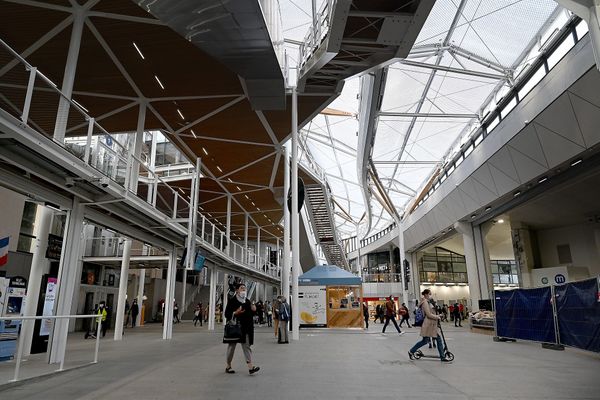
228 370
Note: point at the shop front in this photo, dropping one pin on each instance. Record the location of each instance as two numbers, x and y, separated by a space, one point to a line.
330 297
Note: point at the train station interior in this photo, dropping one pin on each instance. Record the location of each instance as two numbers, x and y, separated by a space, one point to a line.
373 198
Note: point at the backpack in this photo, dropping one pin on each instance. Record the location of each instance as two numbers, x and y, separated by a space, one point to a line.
419 317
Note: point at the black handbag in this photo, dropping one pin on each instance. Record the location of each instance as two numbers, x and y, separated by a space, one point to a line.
232 332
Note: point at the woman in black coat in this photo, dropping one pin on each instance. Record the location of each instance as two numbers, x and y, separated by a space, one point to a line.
240 308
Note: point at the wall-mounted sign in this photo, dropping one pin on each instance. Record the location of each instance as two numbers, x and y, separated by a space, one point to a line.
18 282
54 249
49 299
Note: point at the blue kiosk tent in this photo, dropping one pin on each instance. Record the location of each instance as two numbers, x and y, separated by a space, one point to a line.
330 297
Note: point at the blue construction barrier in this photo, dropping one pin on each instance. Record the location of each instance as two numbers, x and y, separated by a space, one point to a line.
525 314
578 309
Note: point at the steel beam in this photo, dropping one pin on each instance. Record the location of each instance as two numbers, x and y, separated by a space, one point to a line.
426 115
437 67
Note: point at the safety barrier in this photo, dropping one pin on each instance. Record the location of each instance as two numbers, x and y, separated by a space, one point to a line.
30 319
561 315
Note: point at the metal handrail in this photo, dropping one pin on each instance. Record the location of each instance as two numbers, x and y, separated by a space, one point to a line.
38 317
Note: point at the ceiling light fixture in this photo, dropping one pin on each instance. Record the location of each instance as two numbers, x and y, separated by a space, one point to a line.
574 163
193 134
139 51
219 168
488 209
159 82
517 193
543 179
246 196
500 221
180 114
204 150
238 188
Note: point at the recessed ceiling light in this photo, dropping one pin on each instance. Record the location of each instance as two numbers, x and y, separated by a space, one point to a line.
543 179
139 51
204 150
238 188
488 209
517 193
246 196
219 168
473 216
229 179
500 221
193 134
180 114
159 82
253 205
574 163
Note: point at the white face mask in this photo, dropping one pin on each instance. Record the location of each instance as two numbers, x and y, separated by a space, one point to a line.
242 295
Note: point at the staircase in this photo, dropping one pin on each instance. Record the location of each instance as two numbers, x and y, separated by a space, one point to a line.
355 36
321 212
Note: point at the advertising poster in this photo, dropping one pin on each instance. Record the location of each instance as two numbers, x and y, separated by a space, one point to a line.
312 306
49 299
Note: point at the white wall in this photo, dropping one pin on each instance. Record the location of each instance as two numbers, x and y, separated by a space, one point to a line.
447 293
585 248
12 214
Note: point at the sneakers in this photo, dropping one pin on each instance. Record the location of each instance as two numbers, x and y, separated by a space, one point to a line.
445 360
411 356
400 333
253 370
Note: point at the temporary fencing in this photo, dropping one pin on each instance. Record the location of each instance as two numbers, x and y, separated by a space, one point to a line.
567 314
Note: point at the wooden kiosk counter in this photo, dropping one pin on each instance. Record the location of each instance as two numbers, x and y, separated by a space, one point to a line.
330 298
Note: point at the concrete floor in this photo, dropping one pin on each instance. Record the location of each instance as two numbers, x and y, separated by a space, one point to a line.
323 365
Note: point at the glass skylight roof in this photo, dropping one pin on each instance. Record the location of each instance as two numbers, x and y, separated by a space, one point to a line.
494 39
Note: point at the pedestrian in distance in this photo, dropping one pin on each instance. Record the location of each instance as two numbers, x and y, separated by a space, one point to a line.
198 313
456 315
276 305
176 313
269 310
284 318
405 314
135 310
429 328
390 315
240 308
102 318
365 309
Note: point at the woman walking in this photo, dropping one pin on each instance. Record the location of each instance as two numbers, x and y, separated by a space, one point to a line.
429 328
240 308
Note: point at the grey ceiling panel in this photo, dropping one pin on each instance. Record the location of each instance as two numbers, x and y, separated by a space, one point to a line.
556 147
560 118
588 118
503 162
528 143
484 177
527 168
587 87
503 182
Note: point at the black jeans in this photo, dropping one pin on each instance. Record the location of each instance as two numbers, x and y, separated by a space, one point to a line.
457 320
387 321
405 318
367 321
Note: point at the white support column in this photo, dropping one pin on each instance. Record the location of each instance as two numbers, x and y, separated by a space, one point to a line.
212 301
483 260
228 226
151 166
285 273
64 105
277 252
225 294
169 294
589 11
140 294
466 230
137 148
39 266
68 278
182 304
247 257
124 278
258 252
295 220
401 261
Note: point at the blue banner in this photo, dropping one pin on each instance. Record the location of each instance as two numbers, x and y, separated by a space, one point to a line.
525 314
579 314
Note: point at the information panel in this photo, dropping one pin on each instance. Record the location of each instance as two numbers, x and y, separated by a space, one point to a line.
312 306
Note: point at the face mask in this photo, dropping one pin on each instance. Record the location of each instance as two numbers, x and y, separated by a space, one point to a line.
242 295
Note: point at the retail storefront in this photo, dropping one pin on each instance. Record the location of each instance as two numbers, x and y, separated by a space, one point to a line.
330 297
